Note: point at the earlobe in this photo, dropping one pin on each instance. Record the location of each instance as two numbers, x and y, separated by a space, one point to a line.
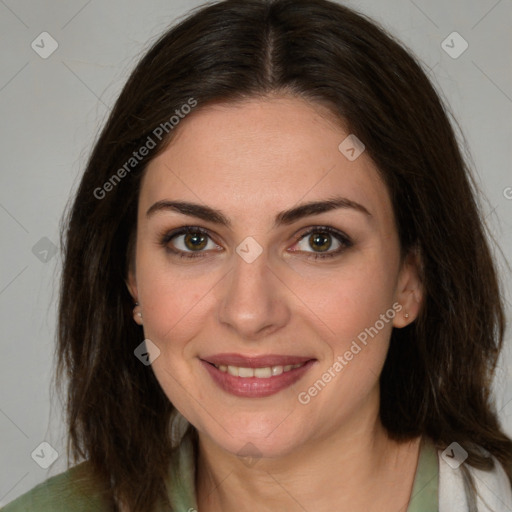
131 284
409 290
137 314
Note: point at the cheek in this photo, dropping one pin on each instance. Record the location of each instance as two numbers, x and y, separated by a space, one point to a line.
173 311
355 314
172 300
351 298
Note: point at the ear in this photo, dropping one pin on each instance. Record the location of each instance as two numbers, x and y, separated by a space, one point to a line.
131 284
409 291
130 280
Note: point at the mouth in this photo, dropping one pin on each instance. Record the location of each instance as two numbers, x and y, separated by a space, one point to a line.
255 377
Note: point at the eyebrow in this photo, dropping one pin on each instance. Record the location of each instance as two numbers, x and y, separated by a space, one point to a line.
286 217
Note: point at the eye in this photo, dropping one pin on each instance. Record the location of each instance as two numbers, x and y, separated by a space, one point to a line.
186 241
324 241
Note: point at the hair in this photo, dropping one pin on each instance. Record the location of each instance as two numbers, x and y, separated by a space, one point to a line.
436 380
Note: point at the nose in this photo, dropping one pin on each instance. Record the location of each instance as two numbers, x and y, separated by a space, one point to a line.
254 299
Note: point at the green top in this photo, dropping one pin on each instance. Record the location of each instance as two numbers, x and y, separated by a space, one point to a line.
66 492
424 495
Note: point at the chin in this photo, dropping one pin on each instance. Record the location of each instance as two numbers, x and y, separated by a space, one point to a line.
269 438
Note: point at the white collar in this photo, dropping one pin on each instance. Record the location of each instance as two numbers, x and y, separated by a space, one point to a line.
493 489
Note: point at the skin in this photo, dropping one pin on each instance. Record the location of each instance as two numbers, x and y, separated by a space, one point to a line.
252 160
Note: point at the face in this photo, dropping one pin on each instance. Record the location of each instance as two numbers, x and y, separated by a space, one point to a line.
268 274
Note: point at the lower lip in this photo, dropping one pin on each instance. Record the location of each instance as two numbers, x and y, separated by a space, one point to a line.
255 387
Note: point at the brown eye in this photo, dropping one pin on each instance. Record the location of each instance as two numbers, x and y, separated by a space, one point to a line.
189 242
195 241
320 241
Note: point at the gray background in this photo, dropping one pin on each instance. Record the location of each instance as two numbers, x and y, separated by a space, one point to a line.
52 109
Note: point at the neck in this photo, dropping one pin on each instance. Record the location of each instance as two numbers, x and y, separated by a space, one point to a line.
358 469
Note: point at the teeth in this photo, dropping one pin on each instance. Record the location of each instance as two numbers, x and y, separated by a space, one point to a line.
245 372
277 370
233 370
261 373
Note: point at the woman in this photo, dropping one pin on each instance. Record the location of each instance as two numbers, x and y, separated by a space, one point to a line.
270 299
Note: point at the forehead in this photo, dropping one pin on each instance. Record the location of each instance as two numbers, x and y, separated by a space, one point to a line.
261 156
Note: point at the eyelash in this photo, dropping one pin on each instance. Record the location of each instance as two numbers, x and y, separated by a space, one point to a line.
167 237
343 239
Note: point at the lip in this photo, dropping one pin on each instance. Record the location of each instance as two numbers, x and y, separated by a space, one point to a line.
255 387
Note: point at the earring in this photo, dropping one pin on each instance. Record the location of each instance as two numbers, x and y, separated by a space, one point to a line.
137 314
406 315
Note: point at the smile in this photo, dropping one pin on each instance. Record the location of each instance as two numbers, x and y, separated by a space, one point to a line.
255 377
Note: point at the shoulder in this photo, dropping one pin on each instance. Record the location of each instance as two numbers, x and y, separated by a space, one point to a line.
493 488
71 491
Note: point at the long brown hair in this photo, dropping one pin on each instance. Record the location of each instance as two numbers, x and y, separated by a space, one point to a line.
436 379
